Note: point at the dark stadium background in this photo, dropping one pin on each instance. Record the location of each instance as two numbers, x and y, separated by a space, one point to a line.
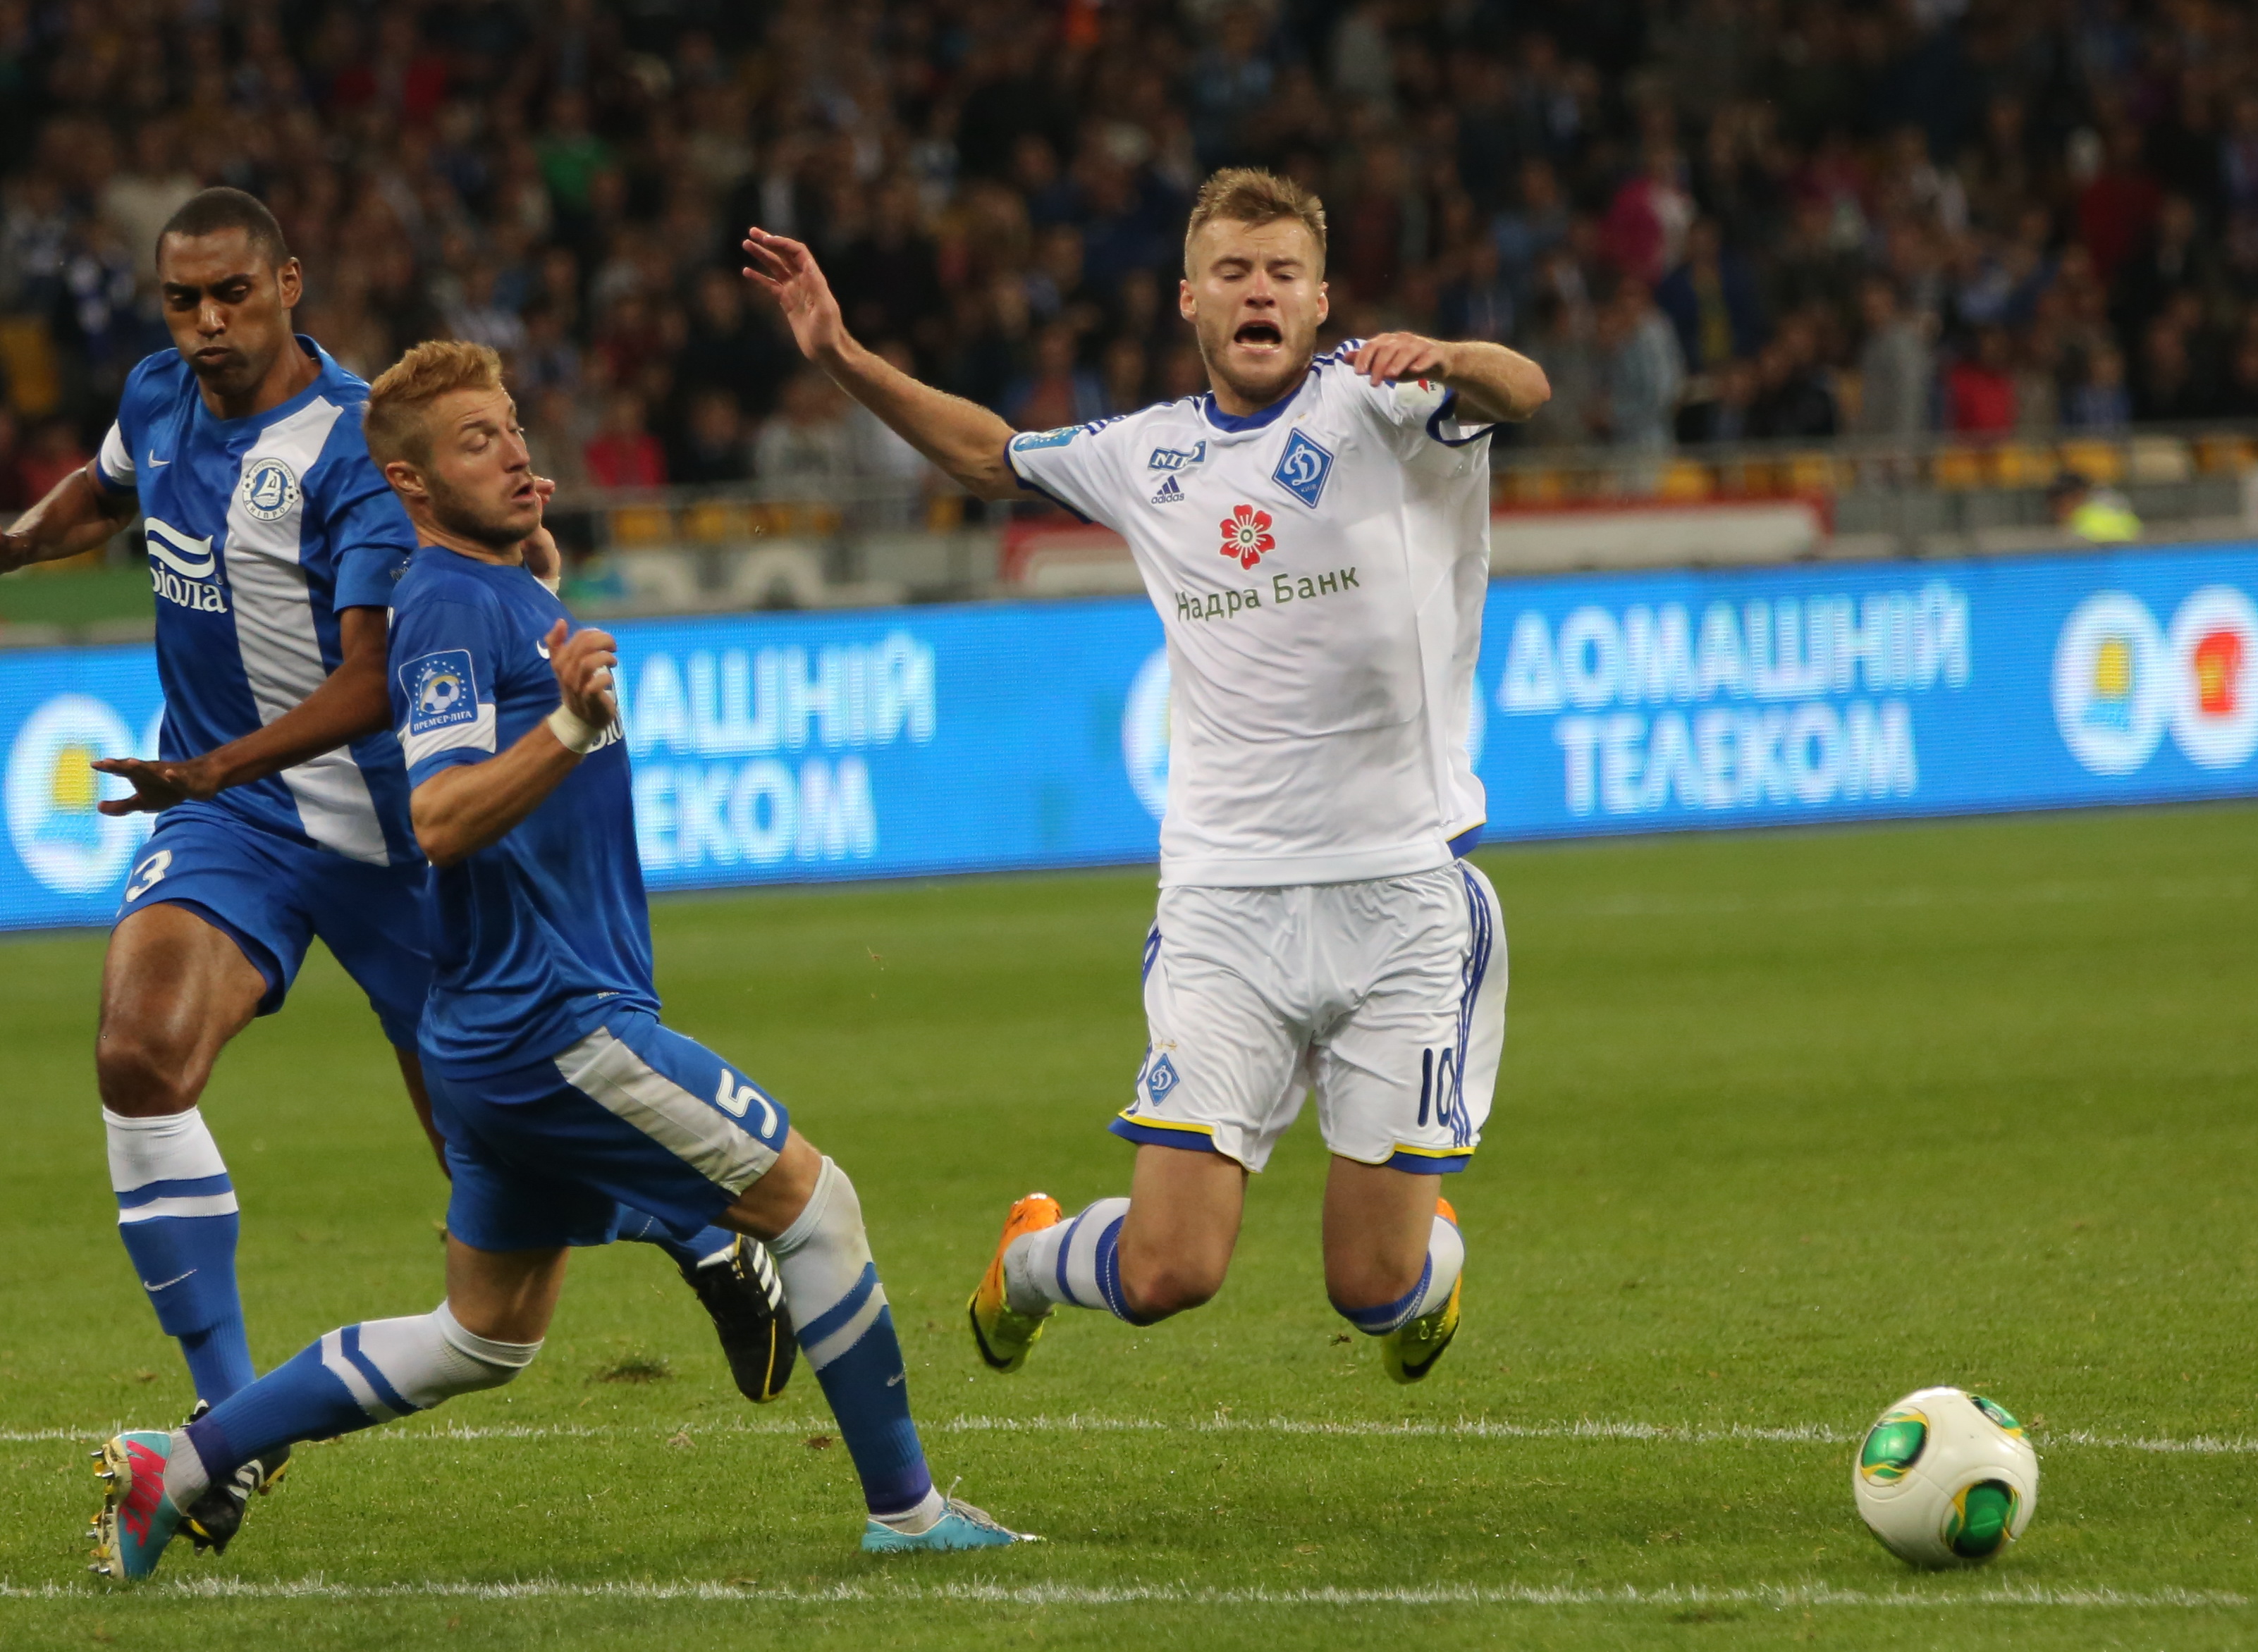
1716 220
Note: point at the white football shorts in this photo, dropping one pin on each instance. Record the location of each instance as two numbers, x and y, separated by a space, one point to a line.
1386 998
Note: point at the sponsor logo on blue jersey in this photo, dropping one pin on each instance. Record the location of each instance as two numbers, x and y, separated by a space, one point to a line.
1177 458
442 690
183 570
270 490
1303 469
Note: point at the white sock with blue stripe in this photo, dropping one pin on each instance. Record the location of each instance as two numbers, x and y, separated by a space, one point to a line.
847 1331
176 1213
352 1378
1072 1264
1447 1257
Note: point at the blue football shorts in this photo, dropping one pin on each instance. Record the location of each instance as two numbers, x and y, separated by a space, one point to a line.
273 896
634 1114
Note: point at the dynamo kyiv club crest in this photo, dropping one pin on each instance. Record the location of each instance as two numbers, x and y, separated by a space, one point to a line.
1303 469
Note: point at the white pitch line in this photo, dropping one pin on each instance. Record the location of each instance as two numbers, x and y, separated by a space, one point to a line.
2197 1445
1076 1422
1777 1597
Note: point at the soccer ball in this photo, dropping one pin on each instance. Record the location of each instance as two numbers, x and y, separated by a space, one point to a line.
1946 1479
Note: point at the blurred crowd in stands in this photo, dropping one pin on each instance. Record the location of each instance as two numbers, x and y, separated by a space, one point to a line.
1711 220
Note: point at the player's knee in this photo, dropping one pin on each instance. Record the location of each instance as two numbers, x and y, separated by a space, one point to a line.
141 1075
1156 1287
475 1363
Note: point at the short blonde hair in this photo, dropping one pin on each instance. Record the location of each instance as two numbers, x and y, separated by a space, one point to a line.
394 420
1250 195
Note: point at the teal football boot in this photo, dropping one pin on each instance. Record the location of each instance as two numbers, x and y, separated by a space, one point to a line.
960 1526
137 1519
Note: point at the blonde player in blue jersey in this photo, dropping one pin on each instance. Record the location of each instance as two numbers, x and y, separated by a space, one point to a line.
280 798
1315 534
560 1095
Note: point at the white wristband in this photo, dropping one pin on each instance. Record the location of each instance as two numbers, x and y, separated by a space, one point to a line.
577 737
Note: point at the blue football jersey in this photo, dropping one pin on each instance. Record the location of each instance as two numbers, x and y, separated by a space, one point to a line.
259 529
535 938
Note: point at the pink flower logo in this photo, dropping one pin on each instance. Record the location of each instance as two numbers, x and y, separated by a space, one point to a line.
1246 536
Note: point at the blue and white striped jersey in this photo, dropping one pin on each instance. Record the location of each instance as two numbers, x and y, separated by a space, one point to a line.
259 530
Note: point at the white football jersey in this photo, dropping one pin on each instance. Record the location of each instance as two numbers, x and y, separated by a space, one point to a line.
1320 567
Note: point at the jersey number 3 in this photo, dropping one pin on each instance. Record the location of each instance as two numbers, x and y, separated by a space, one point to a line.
149 874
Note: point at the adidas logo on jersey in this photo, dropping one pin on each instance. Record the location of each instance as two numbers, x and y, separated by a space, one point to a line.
1169 494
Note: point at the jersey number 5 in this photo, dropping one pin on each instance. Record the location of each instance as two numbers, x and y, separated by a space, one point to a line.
734 1099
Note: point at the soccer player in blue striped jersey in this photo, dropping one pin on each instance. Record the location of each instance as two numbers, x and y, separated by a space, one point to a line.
559 1094
273 546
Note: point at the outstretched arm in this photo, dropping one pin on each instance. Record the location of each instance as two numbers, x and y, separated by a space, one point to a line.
964 439
1494 383
350 702
77 514
463 808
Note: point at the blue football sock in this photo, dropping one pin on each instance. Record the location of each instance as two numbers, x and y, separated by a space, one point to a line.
352 1379
639 1227
847 1331
177 1215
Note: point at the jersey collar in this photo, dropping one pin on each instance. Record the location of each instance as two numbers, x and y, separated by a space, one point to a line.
322 381
1232 423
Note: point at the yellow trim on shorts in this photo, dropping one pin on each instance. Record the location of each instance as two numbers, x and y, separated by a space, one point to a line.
1143 1121
1433 1152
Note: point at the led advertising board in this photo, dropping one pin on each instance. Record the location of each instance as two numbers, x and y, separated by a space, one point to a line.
920 741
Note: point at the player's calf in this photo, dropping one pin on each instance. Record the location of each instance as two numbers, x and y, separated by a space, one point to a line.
175 989
847 1331
1417 1327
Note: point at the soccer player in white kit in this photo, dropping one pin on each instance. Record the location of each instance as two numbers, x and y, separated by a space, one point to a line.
1315 533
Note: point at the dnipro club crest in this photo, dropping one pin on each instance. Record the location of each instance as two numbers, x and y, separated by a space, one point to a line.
270 490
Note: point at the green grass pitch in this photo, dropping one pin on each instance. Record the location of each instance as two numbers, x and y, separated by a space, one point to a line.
1790 1125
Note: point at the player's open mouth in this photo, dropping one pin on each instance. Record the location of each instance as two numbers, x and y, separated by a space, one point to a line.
1258 336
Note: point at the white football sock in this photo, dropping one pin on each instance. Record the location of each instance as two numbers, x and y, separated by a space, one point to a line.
822 1259
171 1147
185 1479
918 1519
1033 1281
430 1357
